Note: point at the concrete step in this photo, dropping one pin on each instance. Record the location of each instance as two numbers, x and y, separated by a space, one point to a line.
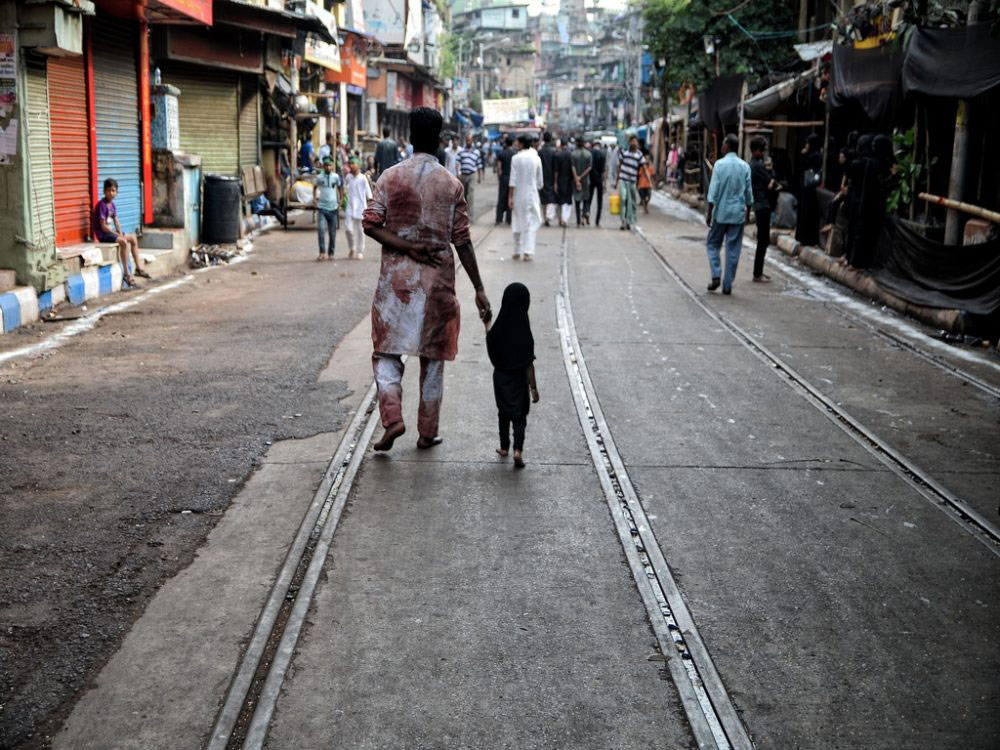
161 262
8 280
161 239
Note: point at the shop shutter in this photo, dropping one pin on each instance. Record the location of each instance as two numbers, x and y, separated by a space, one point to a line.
43 230
116 115
209 114
248 121
70 149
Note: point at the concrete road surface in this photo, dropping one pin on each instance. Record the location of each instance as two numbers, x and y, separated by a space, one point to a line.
463 603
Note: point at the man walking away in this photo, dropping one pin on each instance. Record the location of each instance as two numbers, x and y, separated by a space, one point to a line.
582 166
359 191
547 154
598 173
417 213
763 184
386 153
562 175
326 196
503 173
730 196
628 173
525 188
470 161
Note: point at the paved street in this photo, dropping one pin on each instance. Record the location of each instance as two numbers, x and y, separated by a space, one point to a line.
158 469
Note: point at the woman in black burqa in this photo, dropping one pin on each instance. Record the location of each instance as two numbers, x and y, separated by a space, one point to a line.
512 352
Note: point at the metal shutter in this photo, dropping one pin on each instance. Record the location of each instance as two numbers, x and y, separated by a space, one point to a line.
116 115
43 229
70 148
209 114
248 121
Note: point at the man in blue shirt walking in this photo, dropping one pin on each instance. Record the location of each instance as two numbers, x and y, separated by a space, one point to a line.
326 195
729 199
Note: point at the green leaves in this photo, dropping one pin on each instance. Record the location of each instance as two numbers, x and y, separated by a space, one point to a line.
746 43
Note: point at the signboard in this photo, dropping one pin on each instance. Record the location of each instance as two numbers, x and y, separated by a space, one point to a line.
200 10
318 52
357 15
413 39
353 63
385 20
500 111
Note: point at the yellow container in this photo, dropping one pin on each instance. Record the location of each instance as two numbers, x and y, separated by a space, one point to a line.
615 203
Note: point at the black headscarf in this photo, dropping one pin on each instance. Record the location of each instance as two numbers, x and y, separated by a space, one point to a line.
882 150
509 342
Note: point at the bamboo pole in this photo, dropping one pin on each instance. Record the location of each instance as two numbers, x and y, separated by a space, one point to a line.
783 123
982 213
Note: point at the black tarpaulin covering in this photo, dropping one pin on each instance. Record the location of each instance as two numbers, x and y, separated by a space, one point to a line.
961 62
870 77
935 275
720 104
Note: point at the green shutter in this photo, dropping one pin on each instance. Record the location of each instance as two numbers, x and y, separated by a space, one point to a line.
43 227
249 134
209 115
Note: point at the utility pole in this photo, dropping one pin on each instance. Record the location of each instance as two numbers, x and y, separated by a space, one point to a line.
959 155
638 70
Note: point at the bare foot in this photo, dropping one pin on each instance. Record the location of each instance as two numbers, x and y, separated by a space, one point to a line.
392 432
502 453
518 461
423 443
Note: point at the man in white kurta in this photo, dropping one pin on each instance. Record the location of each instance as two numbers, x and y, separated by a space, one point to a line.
526 207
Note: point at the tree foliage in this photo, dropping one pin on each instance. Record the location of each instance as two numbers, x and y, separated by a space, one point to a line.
754 37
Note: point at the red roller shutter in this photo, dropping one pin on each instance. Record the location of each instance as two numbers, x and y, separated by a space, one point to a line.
70 148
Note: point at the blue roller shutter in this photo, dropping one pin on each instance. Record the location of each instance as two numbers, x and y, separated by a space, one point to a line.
116 111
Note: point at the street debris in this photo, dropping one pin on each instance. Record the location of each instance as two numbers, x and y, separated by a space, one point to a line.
204 255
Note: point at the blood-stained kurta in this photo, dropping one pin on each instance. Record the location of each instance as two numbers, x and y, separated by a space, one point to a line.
415 309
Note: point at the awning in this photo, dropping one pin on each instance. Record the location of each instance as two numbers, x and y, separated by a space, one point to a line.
960 62
269 20
870 77
765 102
813 50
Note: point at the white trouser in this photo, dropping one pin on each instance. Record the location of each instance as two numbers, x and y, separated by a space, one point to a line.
566 210
550 211
524 242
355 235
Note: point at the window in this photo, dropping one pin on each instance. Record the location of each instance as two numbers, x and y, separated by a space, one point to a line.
515 13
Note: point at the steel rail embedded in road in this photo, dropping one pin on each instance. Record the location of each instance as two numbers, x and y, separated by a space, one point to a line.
709 709
977 525
841 300
244 719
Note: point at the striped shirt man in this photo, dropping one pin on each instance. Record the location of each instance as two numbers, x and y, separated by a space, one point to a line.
628 168
469 160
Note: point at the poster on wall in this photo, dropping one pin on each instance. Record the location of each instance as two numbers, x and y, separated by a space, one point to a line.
8 57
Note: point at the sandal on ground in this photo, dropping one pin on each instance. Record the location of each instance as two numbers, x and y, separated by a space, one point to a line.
424 443
142 272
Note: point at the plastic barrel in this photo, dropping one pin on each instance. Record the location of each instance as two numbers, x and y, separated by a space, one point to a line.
220 216
614 203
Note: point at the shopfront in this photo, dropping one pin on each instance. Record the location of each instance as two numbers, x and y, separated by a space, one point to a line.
116 114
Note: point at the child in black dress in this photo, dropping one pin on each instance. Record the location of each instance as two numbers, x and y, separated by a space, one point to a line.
512 352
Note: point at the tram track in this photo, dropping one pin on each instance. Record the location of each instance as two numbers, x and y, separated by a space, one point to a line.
711 714
955 508
243 720
840 302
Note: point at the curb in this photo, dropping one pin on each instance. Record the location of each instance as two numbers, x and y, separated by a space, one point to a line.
23 305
